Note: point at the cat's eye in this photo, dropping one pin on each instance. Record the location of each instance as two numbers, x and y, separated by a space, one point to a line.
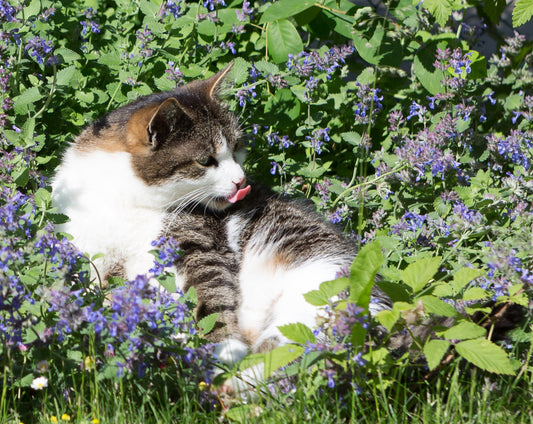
207 161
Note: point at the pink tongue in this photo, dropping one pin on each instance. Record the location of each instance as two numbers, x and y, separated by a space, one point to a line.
239 195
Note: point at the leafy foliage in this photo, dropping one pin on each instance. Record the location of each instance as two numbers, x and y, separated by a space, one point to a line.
395 127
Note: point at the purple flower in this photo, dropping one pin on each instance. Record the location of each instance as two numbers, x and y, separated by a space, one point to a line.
174 73
281 142
172 7
40 49
245 94
317 139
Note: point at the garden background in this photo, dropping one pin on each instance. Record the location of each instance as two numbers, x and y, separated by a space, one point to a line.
395 119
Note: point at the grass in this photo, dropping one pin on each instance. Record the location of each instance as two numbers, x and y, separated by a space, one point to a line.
459 393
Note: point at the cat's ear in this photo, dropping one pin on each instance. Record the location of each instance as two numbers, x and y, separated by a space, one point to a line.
166 117
214 83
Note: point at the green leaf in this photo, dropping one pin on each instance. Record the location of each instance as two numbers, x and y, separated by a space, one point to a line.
326 291
285 9
43 198
388 318
65 75
21 176
434 351
494 9
434 305
297 332
463 331
363 272
419 273
440 9
168 281
475 293
282 40
462 277
207 323
280 357
429 76
67 54
29 96
522 12
149 8
485 355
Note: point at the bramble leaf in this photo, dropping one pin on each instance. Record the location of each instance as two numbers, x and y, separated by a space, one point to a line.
522 12
297 332
434 351
485 355
419 273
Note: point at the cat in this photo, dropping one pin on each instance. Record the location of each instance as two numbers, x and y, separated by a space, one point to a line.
170 164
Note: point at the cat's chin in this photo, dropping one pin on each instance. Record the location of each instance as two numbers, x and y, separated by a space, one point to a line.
218 204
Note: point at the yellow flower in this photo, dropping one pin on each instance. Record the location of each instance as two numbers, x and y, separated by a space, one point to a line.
202 385
65 417
89 363
95 421
53 419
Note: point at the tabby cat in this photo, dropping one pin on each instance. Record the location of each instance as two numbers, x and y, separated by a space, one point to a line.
169 164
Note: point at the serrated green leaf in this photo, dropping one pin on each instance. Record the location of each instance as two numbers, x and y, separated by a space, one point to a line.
419 273
29 96
168 281
64 76
522 12
388 318
148 8
285 9
434 305
326 291
464 330
283 39
280 357
297 332
485 355
462 277
43 198
475 293
267 68
316 298
207 323
67 54
434 351
440 9
363 272
21 176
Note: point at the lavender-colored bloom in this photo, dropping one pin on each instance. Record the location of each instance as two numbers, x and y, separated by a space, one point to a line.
246 94
317 139
173 8
368 103
282 142
40 49
246 13
174 73
7 12
229 45
212 4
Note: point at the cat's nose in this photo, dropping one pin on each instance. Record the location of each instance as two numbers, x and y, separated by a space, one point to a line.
240 182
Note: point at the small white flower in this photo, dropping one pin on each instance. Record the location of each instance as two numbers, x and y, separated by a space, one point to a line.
39 383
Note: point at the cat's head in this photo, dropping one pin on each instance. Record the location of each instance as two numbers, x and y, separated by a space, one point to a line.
183 143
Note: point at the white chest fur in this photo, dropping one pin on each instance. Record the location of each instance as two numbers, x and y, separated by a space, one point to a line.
111 210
